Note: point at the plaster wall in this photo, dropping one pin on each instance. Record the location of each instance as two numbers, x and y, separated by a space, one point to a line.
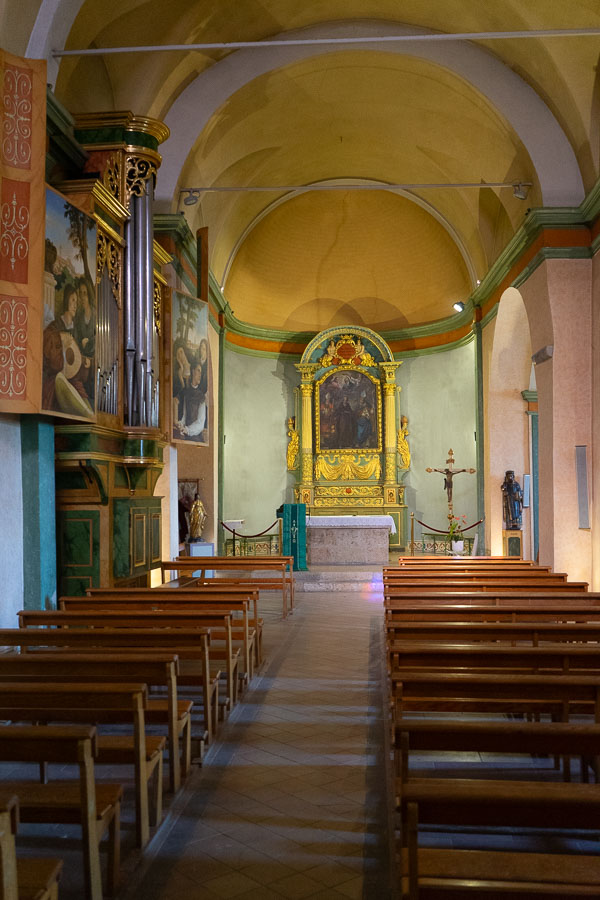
11 536
558 301
595 460
166 488
507 423
438 396
258 398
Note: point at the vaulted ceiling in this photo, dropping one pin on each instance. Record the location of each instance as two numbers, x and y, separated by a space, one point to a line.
356 117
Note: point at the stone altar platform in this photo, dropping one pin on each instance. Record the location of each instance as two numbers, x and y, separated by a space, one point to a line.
348 540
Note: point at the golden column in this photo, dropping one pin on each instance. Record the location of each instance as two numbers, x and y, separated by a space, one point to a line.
307 372
388 379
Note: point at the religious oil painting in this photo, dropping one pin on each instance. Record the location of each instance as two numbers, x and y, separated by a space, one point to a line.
191 363
348 412
69 340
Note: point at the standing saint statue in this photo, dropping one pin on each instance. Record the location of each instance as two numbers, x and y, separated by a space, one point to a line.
197 519
512 502
402 448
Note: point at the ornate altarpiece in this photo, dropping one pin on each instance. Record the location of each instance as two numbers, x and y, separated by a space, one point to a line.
353 454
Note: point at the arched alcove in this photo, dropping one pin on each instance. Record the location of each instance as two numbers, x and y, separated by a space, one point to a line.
507 437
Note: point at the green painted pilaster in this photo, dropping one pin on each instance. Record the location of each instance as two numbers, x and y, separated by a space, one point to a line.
39 513
479 435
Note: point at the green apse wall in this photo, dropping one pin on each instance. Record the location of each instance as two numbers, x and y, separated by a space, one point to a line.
258 397
438 396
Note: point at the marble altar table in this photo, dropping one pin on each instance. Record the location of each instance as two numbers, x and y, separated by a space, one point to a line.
348 540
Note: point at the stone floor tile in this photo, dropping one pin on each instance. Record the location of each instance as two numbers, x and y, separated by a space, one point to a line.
233 885
296 886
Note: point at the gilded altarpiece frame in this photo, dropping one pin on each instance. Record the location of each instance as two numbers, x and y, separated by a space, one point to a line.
352 460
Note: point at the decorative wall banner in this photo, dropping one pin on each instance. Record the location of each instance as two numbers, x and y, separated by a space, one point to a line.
70 313
191 364
22 165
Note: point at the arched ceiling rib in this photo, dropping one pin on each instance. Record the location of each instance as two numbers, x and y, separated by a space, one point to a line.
508 110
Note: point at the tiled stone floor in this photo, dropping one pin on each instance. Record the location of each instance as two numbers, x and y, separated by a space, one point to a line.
291 800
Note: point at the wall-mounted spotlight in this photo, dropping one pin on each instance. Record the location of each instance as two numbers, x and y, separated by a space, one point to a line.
520 190
458 306
543 355
193 195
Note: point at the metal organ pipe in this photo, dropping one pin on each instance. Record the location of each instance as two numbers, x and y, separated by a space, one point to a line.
129 314
149 305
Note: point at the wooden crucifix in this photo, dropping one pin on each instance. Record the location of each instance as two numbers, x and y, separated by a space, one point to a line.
449 472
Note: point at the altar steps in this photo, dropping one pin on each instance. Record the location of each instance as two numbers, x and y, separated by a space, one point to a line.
340 578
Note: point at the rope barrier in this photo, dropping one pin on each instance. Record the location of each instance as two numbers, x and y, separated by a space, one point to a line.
445 530
239 534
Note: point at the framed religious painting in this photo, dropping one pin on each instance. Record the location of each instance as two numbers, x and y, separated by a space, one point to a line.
69 368
348 412
191 365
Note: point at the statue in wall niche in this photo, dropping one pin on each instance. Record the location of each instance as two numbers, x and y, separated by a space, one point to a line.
402 447
512 502
197 519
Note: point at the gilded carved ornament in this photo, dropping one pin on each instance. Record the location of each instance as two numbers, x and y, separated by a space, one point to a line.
112 177
388 371
138 171
307 370
347 351
390 466
332 503
107 255
354 491
307 466
157 306
345 466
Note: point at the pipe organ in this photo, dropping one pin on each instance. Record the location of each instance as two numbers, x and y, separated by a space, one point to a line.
106 470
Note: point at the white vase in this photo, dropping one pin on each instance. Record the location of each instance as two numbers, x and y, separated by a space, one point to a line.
458 548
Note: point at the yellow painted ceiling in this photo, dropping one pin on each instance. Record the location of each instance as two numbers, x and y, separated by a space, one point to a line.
375 259
364 115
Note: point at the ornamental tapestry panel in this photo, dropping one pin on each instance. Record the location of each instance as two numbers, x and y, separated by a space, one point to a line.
22 211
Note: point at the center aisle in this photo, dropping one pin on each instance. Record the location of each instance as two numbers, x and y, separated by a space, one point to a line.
291 801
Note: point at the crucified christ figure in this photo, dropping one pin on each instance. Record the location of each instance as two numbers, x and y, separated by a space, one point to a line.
449 474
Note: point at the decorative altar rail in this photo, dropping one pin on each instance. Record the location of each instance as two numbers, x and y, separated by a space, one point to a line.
260 544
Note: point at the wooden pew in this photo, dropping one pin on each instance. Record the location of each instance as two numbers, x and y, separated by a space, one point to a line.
469 632
568 658
440 578
433 874
242 602
218 622
191 644
282 568
462 691
155 670
498 737
524 598
40 702
95 806
450 560
468 573
498 586
28 878
398 612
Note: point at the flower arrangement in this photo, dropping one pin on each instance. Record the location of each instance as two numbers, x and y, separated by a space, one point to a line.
456 524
